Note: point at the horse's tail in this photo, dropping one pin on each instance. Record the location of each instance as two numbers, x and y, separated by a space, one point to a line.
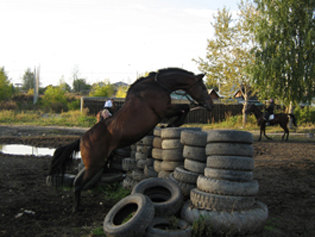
293 119
61 159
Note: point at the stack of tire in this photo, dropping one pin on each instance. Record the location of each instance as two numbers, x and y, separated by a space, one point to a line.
142 157
172 151
157 150
194 143
128 165
147 210
225 194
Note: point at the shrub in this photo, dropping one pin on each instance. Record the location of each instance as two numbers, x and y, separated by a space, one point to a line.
305 115
54 99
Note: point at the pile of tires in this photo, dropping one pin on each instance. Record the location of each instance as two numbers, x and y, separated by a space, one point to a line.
225 193
172 151
145 211
157 150
194 143
128 165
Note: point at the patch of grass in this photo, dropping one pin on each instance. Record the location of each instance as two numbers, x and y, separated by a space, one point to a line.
114 192
97 232
201 228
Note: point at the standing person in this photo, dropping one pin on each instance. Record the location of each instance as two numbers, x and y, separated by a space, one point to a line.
269 110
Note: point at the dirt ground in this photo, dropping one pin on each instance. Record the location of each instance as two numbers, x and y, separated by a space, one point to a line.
285 172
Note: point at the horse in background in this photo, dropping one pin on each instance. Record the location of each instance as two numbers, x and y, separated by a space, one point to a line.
147 102
281 118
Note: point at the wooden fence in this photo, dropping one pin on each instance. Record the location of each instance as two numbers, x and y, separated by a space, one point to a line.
219 113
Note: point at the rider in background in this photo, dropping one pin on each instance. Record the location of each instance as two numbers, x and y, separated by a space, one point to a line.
109 105
269 110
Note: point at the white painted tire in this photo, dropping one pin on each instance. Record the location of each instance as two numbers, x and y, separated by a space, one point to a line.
231 136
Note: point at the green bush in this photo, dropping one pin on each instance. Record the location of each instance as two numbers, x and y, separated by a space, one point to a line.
305 115
54 99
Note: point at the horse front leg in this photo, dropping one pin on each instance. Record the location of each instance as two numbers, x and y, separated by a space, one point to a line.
264 132
178 113
85 179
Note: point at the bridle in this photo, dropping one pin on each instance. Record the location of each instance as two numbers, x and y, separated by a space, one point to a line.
185 94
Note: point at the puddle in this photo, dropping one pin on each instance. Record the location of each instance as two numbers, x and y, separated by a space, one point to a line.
25 150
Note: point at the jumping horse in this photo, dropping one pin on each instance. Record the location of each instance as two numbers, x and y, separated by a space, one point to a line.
282 119
147 102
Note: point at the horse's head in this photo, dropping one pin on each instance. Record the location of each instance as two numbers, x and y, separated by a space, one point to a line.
198 91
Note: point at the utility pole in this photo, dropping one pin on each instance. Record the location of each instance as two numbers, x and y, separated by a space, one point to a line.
36 84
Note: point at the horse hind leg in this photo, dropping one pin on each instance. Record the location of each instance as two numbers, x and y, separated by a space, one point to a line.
85 179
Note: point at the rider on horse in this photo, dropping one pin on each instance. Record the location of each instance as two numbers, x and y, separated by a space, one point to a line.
269 111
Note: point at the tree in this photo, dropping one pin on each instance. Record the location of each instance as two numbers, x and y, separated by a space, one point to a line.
80 86
28 80
121 92
6 88
102 90
54 98
229 58
285 54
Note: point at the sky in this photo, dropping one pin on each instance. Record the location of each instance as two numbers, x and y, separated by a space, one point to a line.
103 40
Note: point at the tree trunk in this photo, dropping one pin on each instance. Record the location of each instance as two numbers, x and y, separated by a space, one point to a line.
244 120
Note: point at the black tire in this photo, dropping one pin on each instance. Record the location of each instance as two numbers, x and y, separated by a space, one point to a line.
129 183
186 176
157 142
128 164
143 210
231 162
164 174
243 222
171 144
138 175
172 155
157 153
147 140
170 165
195 153
140 156
193 138
145 149
149 172
171 132
225 187
215 202
194 166
232 175
181 228
185 187
231 136
229 149
157 165
157 132
165 195
124 151
141 163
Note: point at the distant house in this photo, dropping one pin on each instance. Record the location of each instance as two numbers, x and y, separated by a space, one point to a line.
239 97
120 83
214 95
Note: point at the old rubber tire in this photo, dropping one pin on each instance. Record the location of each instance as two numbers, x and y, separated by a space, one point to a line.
231 162
157 132
145 149
225 187
243 222
157 153
128 164
138 175
129 183
165 195
229 149
194 166
232 175
193 138
157 142
184 175
216 202
143 210
157 165
164 174
172 155
171 132
231 136
147 140
185 187
170 165
164 227
195 153
171 144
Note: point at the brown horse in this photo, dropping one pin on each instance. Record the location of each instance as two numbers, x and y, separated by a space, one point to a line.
282 119
147 103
